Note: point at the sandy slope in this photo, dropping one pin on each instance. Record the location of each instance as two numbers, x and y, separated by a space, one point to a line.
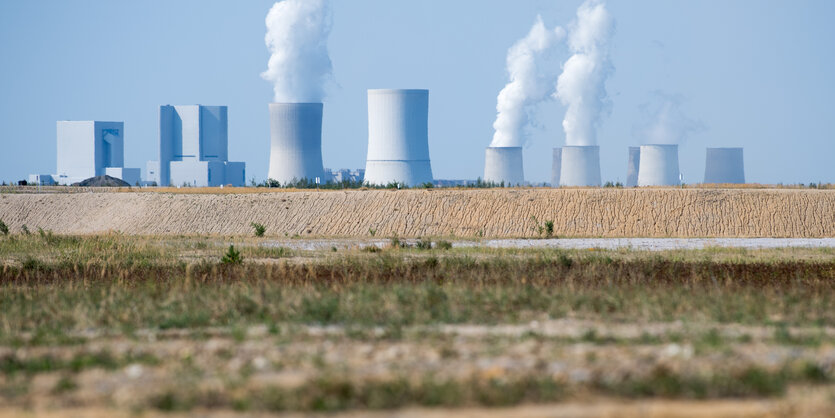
414 213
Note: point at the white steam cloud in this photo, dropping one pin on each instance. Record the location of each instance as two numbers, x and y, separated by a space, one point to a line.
297 36
664 121
582 85
532 73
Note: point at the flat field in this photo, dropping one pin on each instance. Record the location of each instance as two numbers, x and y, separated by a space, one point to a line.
114 324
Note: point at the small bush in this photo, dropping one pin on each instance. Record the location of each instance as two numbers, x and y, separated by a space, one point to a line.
4 229
259 229
423 244
25 230
372 231
549 228
443 245
232 256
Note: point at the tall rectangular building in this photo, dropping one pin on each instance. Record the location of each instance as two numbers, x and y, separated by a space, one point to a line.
194 147
87 148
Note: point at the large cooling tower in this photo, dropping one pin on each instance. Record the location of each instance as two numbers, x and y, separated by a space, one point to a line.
555 167
296 132
724 165
659 166
398 137
580 166
504 165
632 166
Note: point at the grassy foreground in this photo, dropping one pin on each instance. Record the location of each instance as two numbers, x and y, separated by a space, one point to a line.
144 323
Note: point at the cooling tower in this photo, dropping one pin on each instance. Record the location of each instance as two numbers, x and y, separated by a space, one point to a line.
724 165
398 137
580 166
504 165
555 167
632 166
296 132
659 166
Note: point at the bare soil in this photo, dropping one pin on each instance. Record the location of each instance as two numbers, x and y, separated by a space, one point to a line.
494 213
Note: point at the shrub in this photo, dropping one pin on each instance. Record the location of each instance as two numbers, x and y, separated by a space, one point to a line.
232 256
443 245
4 229
549 228
259 229
423 244
25 230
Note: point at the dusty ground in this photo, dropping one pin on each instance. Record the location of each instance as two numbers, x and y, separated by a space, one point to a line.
492 213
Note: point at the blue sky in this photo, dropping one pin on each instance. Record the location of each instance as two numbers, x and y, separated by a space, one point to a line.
755 73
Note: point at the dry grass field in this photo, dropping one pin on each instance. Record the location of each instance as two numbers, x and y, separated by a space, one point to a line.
112 325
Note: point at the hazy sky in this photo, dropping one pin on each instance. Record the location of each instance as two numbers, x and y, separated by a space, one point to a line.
752 73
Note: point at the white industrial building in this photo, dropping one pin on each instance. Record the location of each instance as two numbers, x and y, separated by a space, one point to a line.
193 149
398 137
89 149
724 166
504 165
658 165
296 142
580 166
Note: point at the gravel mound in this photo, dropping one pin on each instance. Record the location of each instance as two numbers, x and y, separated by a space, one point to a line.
102 181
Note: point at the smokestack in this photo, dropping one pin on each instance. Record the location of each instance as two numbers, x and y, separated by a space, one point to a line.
659 165
580 165
632 166
555 167
504 165
724 165
398 137
296 134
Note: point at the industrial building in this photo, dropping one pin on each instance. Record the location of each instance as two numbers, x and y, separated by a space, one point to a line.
398 137
556 166
503 165
633 165
580 166
659 166
724 166
193 142
296 142
89 149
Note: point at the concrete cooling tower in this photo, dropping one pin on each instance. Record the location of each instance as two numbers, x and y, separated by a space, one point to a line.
632 166
398 137
555 167
296 133
580 166
659 166
504 165
724 165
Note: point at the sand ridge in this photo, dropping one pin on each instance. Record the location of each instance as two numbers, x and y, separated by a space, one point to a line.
488 213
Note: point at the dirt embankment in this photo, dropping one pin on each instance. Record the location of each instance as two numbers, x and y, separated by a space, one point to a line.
415 213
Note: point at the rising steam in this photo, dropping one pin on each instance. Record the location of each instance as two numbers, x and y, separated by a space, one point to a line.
531 74
297 35
664 121
582 85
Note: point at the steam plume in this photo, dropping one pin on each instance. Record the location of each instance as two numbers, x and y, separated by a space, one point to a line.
664 121
582 85
297 35
531 81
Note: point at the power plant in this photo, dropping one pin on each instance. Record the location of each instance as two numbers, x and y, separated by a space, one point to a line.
89 149
658 166
296 142
632 166
724 166
398 137
503 165
194 148
580 166
556 164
